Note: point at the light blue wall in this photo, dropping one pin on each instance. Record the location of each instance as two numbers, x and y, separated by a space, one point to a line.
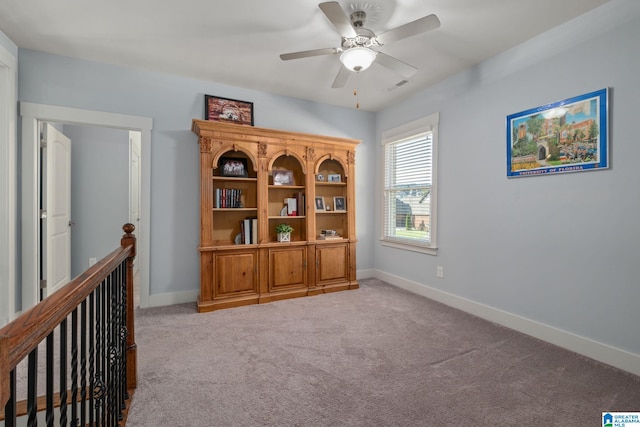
561 250
173 102
99 191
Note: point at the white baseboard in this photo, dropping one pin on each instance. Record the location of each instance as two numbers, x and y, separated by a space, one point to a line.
364 274
159 300
604 353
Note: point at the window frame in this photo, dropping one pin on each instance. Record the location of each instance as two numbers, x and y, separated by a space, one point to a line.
428 124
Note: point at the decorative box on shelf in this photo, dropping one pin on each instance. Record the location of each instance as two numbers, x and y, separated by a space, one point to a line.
329 235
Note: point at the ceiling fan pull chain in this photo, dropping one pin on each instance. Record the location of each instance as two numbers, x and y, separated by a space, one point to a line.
355 92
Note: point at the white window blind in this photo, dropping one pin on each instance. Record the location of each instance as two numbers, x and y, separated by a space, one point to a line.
409 214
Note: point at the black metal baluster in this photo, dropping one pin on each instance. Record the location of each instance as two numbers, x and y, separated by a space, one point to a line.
122 290
32 388
50 379
116 344
63 372
92 357
83 363
113 390
97 382
125 331
10 407
110 352
103 350
74 367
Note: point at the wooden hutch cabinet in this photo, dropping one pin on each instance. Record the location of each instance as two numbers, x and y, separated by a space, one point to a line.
251 180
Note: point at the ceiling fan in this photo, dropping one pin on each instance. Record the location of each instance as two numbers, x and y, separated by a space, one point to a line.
359 45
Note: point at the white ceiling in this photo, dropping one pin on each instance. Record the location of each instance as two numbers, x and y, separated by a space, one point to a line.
238 42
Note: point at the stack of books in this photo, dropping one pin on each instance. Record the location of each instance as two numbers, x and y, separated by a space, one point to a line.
228 198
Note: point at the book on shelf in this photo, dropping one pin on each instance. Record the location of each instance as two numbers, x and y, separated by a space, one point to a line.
254 230
246 231
300 201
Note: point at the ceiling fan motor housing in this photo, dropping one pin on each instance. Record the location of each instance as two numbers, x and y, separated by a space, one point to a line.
365 38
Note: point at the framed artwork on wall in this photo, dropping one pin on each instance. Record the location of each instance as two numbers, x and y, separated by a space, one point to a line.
228 110
564 136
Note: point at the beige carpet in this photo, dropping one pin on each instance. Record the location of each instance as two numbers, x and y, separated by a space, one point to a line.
377 356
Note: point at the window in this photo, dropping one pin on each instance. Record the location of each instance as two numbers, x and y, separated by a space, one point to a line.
409 219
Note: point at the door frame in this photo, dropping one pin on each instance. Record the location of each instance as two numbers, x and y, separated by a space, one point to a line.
32 114
8 186
135 221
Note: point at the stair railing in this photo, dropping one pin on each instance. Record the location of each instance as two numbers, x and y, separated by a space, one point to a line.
90 374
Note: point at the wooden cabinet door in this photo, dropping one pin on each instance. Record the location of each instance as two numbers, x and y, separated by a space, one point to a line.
235 273
332 264
287 268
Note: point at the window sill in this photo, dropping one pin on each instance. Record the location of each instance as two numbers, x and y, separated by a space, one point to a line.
429 250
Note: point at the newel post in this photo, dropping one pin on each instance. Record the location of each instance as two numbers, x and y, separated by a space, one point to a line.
129 239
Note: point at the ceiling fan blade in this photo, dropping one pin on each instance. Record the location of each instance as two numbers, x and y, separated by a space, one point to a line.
402 68
419 26
341 78
308 53
338 18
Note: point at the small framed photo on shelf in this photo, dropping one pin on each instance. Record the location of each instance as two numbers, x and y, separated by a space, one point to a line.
282 177
232 166
319 177
320 203
339 204
334 177
228 110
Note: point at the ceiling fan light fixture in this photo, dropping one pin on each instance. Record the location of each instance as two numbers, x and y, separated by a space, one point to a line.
357 58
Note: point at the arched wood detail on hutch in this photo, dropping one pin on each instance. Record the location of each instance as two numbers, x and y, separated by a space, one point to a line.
331 156
234 148
286 152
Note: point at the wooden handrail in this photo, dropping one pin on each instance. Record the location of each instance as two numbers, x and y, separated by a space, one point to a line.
21 336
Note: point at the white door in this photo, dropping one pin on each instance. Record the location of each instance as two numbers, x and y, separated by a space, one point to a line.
135 172
56 206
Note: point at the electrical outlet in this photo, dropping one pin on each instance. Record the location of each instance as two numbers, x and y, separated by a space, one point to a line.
92 261
440 272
